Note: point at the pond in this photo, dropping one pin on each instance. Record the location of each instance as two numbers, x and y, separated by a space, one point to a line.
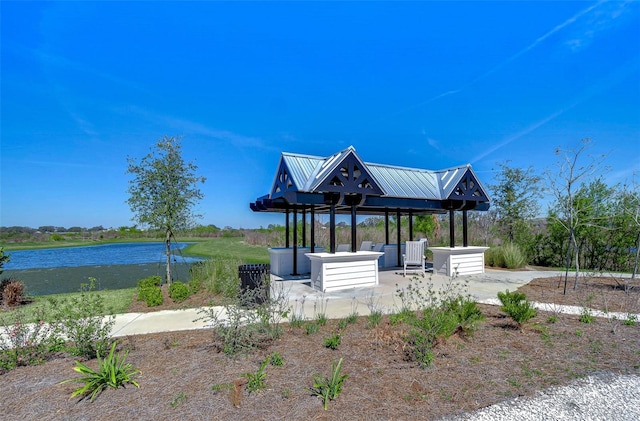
114 266
105 254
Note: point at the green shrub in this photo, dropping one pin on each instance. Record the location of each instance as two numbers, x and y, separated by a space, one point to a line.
152 296
311 327
494 257
517 307
333 341
179 291
145 284
467 312
23 343
219 276
112 372
240 331
276 359
586 316
374 318
421 347
508 255
81 320
432 314
513 256
195 285
630 320
256 381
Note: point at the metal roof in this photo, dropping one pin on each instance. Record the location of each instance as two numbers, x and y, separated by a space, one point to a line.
308 173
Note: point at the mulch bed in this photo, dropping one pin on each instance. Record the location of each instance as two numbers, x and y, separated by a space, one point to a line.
499 362
606 294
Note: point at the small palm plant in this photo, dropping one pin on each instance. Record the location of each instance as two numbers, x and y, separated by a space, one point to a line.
112 371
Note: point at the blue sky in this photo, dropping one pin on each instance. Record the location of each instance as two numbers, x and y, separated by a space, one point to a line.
430 85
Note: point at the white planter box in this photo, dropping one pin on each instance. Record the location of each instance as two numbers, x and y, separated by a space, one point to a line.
333 271
458 261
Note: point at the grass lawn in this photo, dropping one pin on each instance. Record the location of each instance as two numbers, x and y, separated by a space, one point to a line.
119 300
234 247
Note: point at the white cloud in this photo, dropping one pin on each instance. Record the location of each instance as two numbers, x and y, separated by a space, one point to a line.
603 16
188 127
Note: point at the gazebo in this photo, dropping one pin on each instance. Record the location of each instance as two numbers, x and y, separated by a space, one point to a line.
344 184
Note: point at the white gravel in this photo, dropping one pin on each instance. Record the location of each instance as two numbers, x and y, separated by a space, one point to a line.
597 397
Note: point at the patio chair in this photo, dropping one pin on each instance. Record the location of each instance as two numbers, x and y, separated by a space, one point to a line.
343 247
366 245
413 258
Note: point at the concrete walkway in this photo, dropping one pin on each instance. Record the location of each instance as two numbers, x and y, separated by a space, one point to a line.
307 302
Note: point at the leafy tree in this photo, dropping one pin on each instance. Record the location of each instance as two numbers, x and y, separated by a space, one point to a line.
164 190
429 225
515 201
3 258
594 206
628 221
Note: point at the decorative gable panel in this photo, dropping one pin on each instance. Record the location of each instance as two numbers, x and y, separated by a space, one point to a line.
283 182
349 175
468 188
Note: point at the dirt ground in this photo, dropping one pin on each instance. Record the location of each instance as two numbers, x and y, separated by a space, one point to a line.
179 370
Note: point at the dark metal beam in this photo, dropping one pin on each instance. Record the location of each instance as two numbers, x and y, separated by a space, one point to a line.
353 229
295 242
452 231
465 241
398 237
286 228
410 226
304 228
332 228
386 226
313 229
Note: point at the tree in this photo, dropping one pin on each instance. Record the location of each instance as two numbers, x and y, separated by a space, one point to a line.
164 191
571 171
429 225
515 202
629 204
4 258
594 207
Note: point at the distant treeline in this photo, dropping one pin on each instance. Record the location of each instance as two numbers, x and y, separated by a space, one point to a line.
47 233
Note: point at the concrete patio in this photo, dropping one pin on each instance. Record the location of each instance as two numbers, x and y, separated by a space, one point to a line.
337 304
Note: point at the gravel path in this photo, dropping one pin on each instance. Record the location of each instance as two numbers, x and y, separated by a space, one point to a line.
598 397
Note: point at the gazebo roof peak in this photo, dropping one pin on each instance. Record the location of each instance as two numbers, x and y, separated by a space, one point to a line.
303 180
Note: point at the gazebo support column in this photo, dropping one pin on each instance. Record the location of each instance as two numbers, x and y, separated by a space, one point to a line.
410 226
465 241
304 228
386 227
313 229
295 242
353 229
332 228
286 229
452 231
398 238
